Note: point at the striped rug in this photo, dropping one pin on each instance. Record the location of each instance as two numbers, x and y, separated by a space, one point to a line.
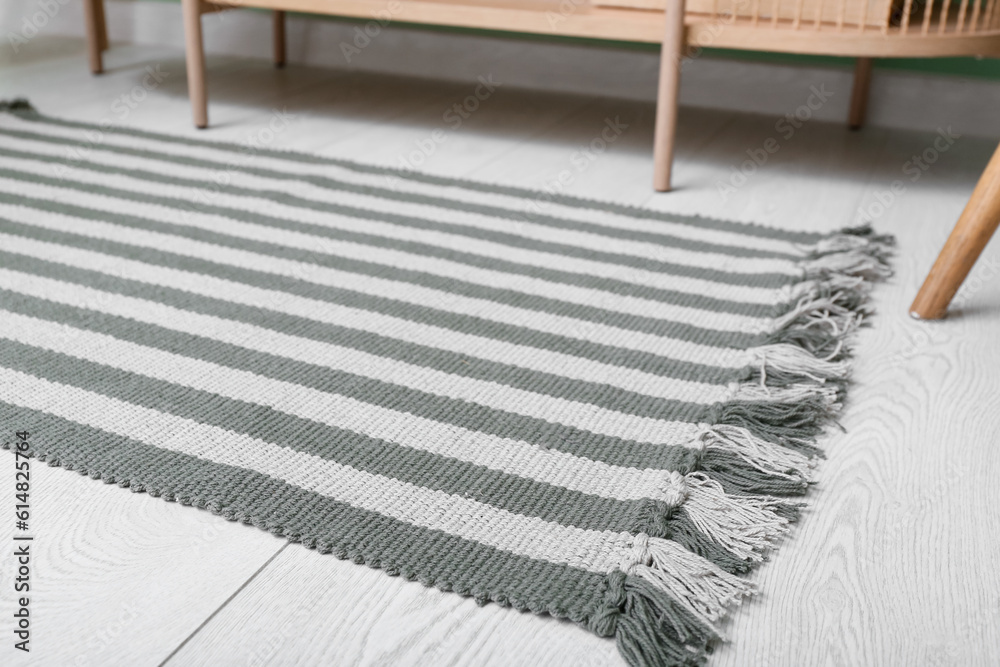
577 408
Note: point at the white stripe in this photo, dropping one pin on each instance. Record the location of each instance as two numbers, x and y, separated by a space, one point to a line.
595 551
210 193
500 397
445 301
541 360
226 158
503 454
390 258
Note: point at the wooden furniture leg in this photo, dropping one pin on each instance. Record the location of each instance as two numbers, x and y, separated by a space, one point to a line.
859 93
972 232
195 54
93 14
671 54
102 26
279 39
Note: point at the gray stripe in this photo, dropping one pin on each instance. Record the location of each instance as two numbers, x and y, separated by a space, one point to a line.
472 416
603 395
509 297
509 492
521 193
333 184
605 284
609 285
433 557
414 312
629 261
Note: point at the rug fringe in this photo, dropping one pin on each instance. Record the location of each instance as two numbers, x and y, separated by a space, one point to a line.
747 526
754 392
705 590
671 597
740 478
772 458
797 377
652 628
854 252
730 530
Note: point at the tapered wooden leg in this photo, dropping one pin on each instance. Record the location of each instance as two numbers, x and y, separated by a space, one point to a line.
195 53
666 101
93 17
859 93
102 26
972 232
279 39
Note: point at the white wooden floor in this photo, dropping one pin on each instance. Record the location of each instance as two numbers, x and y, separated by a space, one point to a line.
894 564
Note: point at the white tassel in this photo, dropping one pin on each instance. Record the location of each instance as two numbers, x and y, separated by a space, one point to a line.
745 525
840 243
853 255
701 587
822 311
756 391
763 455
850 262
835 282
787 358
